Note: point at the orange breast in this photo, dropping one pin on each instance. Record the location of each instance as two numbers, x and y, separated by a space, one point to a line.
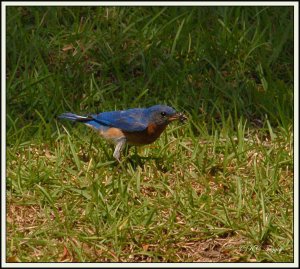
147 136
112 133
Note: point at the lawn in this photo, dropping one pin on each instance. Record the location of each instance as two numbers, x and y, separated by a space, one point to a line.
218 188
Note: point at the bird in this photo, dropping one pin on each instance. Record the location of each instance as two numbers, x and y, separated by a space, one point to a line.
135 126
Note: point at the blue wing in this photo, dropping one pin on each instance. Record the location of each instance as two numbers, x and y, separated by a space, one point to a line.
131 120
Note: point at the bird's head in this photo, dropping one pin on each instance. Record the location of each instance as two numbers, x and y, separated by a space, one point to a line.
163 115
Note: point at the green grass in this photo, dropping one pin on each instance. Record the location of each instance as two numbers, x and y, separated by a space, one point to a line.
218 188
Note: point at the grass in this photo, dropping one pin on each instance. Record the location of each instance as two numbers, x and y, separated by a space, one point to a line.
218 188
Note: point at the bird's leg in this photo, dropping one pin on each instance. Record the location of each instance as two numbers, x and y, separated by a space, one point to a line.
119 147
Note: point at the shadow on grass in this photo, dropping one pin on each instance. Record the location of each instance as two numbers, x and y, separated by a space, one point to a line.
138 161
132 159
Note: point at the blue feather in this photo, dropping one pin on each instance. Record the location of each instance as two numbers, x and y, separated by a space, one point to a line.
131 120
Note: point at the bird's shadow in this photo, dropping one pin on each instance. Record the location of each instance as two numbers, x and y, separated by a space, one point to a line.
132 159
136 161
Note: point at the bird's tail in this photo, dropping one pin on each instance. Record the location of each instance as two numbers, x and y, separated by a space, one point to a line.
74 117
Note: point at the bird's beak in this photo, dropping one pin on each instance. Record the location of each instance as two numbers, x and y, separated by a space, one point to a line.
178 116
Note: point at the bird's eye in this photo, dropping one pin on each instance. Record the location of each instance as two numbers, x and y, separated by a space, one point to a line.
163 114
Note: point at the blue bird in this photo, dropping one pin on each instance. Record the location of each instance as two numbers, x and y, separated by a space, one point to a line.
136 126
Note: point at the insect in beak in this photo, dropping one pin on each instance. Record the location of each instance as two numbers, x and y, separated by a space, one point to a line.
178 116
